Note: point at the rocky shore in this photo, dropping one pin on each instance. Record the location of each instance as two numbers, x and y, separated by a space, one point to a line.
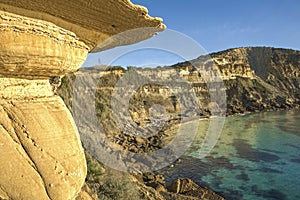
255 79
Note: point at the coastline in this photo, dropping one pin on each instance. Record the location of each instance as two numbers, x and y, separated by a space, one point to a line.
259 147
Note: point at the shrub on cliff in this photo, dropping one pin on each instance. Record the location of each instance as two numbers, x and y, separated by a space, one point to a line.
118 187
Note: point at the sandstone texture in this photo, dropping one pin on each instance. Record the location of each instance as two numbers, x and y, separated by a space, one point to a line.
93 21
41 152
33 48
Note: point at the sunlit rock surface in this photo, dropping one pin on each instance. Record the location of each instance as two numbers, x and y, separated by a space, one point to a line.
93 21
40 150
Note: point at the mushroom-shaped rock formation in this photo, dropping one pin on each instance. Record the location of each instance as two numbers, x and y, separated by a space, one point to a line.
40 151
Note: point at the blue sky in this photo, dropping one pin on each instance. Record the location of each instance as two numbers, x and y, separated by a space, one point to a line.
217 25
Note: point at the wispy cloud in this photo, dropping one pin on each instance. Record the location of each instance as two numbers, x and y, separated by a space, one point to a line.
232 28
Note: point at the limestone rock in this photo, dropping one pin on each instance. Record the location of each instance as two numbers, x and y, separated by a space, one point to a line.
255 79
40 150
187 187
86 194
155 181
183 186
41 154
35 48
93 21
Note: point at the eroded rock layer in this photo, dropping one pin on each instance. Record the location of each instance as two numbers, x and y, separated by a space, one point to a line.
255 79
33 48
41 154
93 21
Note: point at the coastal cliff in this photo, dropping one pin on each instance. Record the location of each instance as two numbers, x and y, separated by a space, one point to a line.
35 123
271 82
255 79
41 152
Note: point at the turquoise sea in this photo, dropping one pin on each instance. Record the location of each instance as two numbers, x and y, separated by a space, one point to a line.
257 157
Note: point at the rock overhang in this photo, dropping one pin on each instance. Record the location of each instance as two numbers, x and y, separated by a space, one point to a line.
94 22
39 39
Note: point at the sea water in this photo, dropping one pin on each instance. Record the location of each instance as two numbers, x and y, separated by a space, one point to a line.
256 157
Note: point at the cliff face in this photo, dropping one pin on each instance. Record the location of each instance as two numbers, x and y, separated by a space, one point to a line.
41 154
233 63
35 123
255 79
99 24
278 68
273 82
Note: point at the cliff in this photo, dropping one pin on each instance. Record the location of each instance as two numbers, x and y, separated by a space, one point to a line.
41 153
272 84
255 79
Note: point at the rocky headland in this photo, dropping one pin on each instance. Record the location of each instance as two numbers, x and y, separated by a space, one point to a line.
255 79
